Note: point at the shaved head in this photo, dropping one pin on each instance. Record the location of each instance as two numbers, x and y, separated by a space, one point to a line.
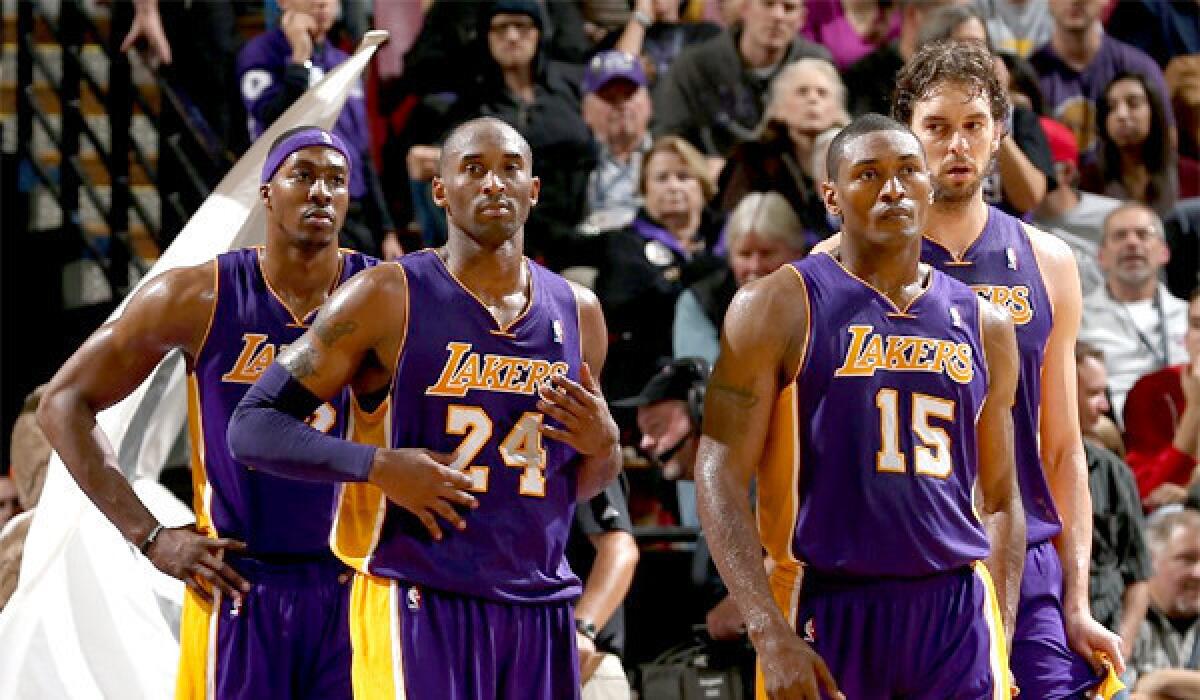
463 135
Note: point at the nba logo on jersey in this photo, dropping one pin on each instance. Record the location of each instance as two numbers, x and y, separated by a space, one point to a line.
1012 258
955 317
557 329
413 598
810 631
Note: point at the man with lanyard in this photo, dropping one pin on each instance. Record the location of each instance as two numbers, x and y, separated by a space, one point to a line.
1140 325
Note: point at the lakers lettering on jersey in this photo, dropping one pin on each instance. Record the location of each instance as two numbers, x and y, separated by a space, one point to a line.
256 356
470 371
1015 300
870 351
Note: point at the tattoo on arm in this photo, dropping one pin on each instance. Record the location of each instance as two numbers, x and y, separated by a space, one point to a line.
739 396
330 333
302 365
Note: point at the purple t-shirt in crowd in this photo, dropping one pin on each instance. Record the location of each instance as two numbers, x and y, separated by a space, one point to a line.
846 45
260 70
1071 96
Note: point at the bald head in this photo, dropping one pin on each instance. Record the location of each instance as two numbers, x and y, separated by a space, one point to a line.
464 136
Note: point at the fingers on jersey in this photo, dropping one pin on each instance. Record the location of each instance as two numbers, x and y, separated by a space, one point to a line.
423 483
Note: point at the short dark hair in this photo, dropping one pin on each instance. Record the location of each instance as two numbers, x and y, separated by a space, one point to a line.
949 61
868 123
290 132
459 133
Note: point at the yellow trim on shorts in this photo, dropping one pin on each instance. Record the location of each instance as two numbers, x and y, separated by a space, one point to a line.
360 508
377 663
998 648
1111 684
197 649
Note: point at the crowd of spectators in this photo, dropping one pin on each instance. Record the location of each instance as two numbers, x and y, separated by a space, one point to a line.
681 143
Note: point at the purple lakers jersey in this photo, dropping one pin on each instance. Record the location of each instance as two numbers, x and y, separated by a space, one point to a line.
871 455
465 385
249 327
1000 265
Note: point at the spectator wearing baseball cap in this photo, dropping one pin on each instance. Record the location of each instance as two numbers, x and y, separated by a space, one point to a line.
1066 207
617 108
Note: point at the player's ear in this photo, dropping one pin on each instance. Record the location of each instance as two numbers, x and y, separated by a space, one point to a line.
264 193
535 188
829 196
439 191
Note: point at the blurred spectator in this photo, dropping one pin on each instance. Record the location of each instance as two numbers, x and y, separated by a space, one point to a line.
275 68
1077 64
616 105
644 266
446 53
603 553
1065 207
1140 325
871 81
714 93
10 505
1163 29
762 234
1074 216
541 99
1136 158
1170 635
193 45
656 34
1120 562
1162 423
1183 238
1019 27
805 99
1024 166
30 458
861 26
670 411
1183 85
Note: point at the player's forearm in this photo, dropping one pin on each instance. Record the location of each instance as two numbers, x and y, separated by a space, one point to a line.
597 472
609 580
1135 601
1024 185
724 507
1067 474
1005 526
268 431
70 426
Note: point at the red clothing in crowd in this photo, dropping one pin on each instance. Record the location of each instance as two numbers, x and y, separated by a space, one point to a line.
1152 411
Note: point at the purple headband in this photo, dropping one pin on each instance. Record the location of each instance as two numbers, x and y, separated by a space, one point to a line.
303 139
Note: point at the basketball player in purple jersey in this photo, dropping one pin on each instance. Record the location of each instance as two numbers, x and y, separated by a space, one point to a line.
258 560
491 361
871 395
949 96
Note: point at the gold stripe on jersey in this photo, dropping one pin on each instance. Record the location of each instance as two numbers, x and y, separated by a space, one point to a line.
201 488
361 507
998 644
196 677
377 661
778 479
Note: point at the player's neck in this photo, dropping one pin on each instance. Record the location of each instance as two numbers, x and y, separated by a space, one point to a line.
301 277
492 274
893 270
956 225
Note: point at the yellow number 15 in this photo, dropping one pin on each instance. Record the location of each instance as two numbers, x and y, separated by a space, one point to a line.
521 449
932 456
